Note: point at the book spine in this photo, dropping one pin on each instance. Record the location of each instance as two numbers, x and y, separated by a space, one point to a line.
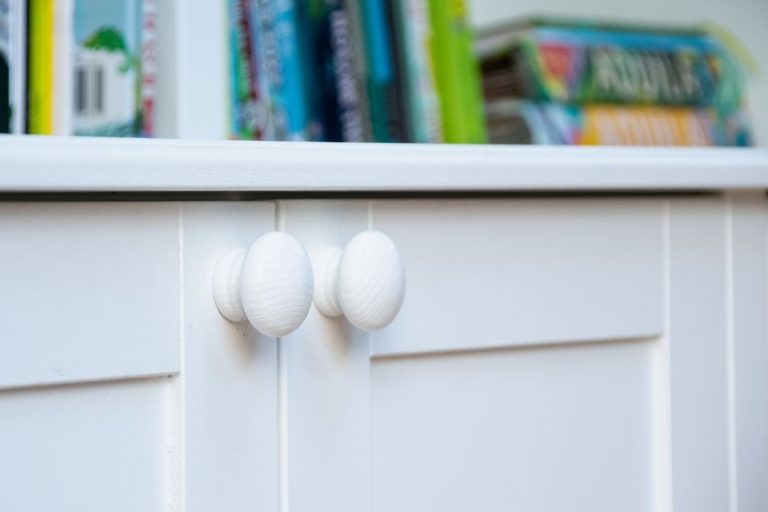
388 119
63 67
456 73
614 125
360 71
246 121
6 66
350 111
661 126
148 67
235 37
336 97
319 68
424 104
104 70
268 67
289 89
12 66
40 67
279 70
18 65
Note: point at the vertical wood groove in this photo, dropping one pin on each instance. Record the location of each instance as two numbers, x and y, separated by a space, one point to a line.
175 427
661 392
730 357
282 398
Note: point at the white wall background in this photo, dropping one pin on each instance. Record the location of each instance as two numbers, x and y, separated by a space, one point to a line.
747 20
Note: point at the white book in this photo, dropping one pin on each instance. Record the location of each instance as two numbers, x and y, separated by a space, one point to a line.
13 52
63 79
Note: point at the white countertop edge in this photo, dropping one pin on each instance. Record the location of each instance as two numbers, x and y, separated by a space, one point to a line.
80 164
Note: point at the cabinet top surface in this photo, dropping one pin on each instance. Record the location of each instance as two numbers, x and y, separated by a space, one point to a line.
54 164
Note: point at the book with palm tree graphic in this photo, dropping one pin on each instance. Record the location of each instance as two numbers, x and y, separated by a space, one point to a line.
107 68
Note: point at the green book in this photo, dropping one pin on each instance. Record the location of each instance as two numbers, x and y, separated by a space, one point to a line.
414 33
456 73
386 103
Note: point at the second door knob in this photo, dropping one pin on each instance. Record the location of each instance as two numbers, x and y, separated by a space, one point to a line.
365 281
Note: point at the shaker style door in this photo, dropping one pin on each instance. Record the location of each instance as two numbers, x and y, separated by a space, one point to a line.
549 354
520 370
121 385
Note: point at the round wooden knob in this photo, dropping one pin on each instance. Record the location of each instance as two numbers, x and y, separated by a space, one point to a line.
270 285
365 281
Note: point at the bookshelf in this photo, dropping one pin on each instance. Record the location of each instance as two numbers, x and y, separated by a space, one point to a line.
608 304
582 328
193 97
85 164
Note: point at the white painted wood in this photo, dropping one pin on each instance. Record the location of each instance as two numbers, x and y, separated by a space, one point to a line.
227 276
697 355
277 283
228 388
749 339
325 463
365 281
192 97
371 280
271 284
91 291
537 429
533 365
84 447
490 273
325 265
87 164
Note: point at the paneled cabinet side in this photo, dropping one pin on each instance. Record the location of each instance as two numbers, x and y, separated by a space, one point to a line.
698 378
748 349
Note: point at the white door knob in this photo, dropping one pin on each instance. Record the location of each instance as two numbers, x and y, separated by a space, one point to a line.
365 281
271 284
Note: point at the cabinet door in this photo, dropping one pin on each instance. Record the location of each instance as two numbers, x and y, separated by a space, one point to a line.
226 395
551 354
93 292
130 391
324 383
518 373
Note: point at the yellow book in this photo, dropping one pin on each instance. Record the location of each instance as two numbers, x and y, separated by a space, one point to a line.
646 126
41 23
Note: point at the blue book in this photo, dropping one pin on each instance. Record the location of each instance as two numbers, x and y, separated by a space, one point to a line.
289 91
279 55
335 91
388 116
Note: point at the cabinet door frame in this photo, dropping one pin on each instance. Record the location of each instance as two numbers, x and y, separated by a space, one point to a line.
325 367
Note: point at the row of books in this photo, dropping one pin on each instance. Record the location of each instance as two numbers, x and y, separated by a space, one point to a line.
354 70
552 81
77 67
377 70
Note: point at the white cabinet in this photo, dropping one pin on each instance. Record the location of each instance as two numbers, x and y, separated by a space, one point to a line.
225 400
93 291
165 405
551 353
579 350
